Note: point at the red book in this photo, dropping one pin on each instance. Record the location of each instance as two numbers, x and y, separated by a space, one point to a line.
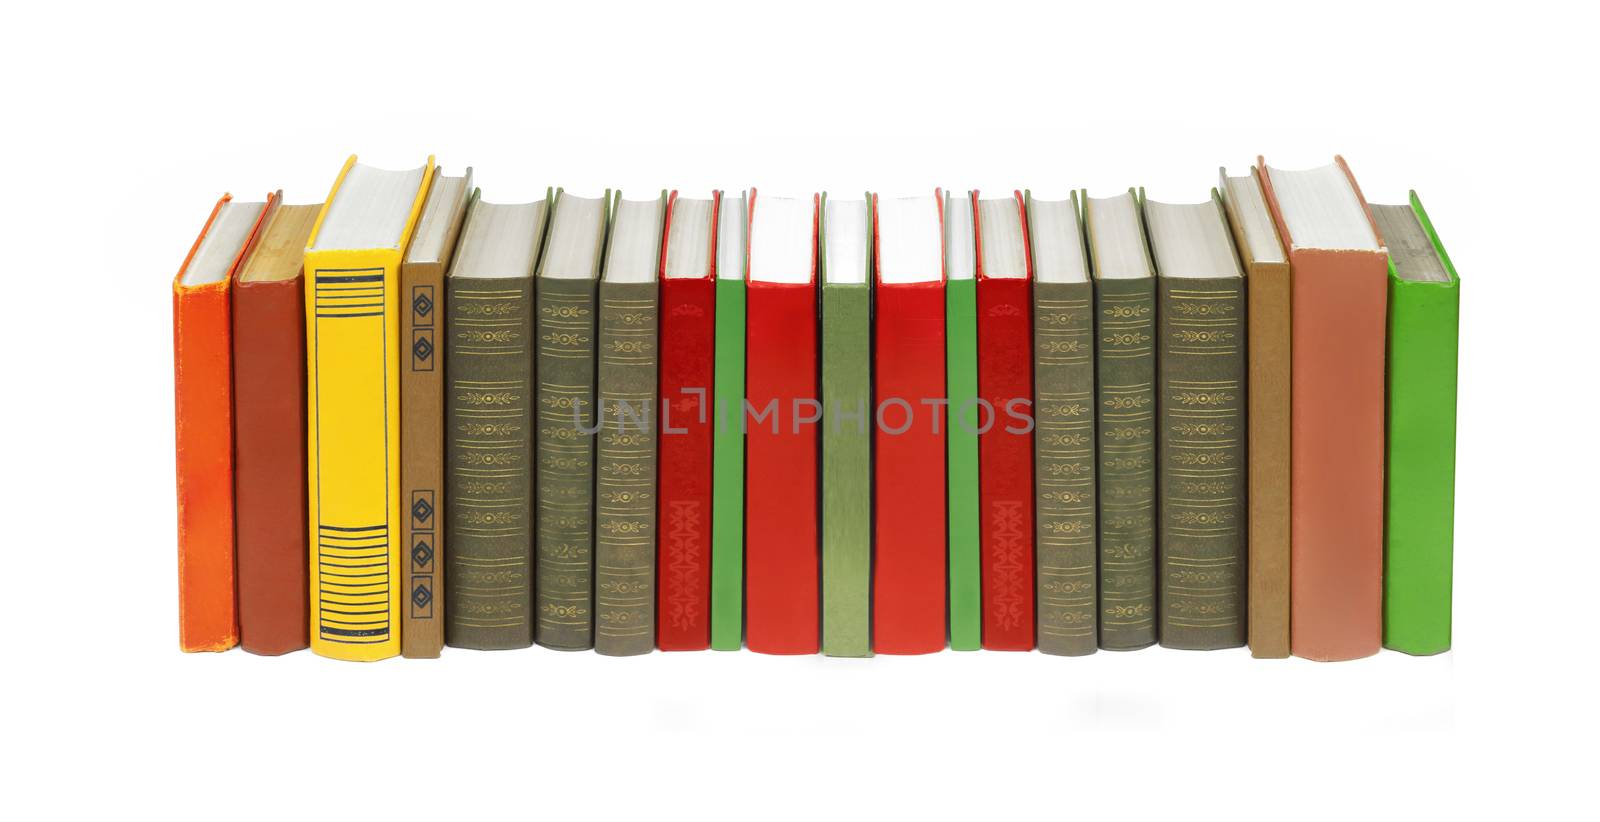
1005 437
688 326
782 553
908 583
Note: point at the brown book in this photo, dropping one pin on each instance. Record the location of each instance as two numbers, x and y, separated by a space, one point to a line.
422 413
1267 284
269 378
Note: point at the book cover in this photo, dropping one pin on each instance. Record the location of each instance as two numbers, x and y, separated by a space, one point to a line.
684 450
728 441
781 549
963 555
1005 439
908 350
566 286
1064 441
1424 326
1268 286
625 449
422 415
269 394
489 422
353 321
1339 328
1200 405
1125 389
202 365
845 258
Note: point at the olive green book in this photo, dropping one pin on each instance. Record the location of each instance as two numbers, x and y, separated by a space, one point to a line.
1064 438
625 464
727 439
1125 377
1419 496
846 432
566 296
961 442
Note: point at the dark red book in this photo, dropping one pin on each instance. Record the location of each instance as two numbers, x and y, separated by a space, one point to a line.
1005 437
908 584
687 334
782 553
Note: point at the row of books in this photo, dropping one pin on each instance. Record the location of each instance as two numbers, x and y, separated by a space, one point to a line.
410 418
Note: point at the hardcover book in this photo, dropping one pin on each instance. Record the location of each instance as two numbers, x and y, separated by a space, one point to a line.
780 415
353 317
728 439
1267 283
269 398
684 455
489 421
1005 438
1200 405
908 577
422 414
625 486
1340 317
845 259
202 349
1125 377
961 435
1424 308
1063 441
568 278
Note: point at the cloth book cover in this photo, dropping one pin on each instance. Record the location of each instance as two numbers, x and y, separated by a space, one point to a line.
684 455
1424 323
269 387
1005 438
1340 319
728 439
353 320
963 555
202 347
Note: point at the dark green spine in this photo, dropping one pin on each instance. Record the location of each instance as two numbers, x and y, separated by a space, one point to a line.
1125 310
565 572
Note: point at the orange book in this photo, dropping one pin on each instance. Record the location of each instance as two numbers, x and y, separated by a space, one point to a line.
202 349
1339 316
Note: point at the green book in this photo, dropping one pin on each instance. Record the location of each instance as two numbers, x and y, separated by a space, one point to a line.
965 418
1420 470
846 258
727 439
565 333
625 464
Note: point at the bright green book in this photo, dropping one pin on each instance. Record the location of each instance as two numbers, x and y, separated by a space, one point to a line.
1419 495
961 457
846 258
727 439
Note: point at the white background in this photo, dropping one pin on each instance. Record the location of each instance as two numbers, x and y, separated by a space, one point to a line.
124 123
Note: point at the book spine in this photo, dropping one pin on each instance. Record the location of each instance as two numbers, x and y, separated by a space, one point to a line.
961 455
566 419
269 381
1125 385
909 462
1005 456
782 551
422 460
625 486
202 365
1269 398
1064 467
688 326
847 470
1423 331
353 428
1203 476
488 514
727 506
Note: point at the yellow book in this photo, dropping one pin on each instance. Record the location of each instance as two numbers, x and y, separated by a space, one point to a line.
353 310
